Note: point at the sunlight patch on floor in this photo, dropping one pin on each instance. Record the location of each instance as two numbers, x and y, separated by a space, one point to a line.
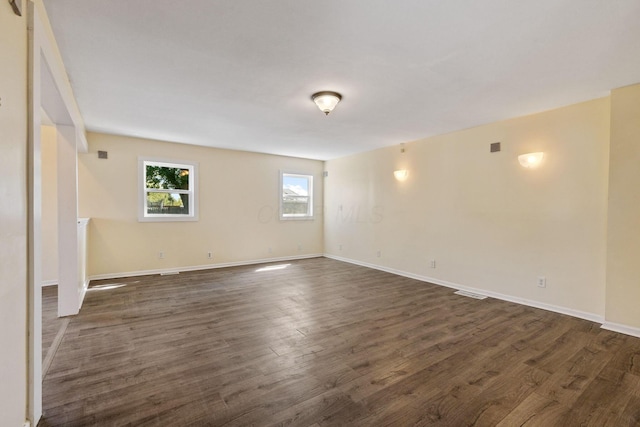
106 287
273 267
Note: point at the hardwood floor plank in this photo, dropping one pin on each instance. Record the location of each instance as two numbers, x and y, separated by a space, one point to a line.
604 400
324 343
535 411
575 375
50 320
318 409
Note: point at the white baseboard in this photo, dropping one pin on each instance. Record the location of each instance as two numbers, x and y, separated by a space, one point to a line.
510 298
199 267
49 283
83 292
623 329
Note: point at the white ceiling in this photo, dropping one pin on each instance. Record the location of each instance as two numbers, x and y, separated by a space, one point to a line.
239 74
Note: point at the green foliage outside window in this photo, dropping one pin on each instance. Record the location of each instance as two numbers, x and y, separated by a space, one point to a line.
167 178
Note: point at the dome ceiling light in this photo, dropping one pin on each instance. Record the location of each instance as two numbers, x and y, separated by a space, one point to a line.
326 100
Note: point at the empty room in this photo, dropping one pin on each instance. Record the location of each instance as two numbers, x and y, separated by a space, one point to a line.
336 213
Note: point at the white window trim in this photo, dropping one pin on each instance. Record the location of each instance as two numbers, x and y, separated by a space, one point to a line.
300 217
143 216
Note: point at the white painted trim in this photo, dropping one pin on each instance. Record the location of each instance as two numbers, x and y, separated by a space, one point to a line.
192 192
53 282
82 259
44 60
200 267
46 44
623 329
83 293
510 298
68 247
312 208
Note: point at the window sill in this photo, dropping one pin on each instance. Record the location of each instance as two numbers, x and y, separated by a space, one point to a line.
168 219
297 218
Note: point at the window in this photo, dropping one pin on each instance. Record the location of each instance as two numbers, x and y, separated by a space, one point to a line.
167 191
296 196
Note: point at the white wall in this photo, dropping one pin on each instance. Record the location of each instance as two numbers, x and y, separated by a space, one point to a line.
489 223
49 205
13 212
623 268
238 209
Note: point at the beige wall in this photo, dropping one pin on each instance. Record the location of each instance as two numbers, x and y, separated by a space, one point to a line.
489 223
49 204
238 209
623 266
13 211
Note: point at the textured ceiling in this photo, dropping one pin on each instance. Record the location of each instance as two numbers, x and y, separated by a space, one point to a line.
239 74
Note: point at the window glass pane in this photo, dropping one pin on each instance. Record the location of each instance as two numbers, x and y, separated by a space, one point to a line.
292 205
167 203
295 195
167 190
167 178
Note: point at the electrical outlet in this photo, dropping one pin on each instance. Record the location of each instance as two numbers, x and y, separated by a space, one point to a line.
299 248
210 255
270 250
432 263
542 282
340 246
161 255
378 254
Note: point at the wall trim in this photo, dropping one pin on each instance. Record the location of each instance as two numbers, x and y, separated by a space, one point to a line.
623 329
83 293
53 282
510 298
200 267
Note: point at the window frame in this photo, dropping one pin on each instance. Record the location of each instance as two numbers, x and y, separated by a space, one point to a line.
310 210
143 216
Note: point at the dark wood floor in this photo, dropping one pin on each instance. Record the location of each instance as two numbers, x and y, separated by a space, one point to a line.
50 321
322 342
53 327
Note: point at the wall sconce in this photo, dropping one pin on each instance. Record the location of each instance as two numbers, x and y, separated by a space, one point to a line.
531 160
401 174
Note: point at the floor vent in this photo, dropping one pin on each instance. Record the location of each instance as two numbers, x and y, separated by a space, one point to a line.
470 294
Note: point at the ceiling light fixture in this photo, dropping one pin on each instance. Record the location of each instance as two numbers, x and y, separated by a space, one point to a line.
326 100
530 160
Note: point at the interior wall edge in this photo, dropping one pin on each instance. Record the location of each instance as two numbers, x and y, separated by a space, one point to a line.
593 317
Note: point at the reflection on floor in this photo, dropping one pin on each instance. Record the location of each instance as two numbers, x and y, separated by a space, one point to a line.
53 327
